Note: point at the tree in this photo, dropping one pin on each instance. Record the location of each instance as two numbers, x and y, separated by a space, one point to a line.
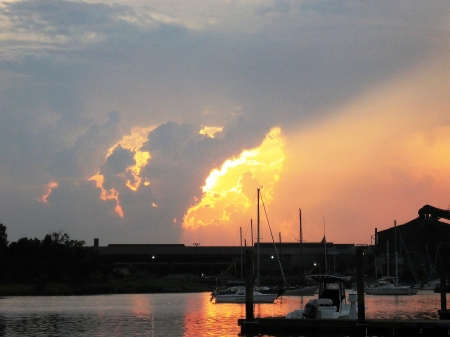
3 237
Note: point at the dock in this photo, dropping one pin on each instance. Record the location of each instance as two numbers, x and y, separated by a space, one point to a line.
281 326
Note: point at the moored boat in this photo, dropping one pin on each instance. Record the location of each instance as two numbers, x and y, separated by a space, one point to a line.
237 295
389 286
331 301
301 291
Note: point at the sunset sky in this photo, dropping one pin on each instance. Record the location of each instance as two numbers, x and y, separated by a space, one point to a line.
156 121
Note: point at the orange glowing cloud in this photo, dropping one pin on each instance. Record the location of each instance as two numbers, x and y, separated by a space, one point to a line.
228 191
52 185
377 159
372 160
110 194
132 142
210 131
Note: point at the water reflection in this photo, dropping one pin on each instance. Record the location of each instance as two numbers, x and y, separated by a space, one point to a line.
170 314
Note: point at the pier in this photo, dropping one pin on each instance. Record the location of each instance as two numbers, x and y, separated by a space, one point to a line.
280 326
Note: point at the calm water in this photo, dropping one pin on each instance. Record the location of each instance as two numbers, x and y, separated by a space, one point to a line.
169 314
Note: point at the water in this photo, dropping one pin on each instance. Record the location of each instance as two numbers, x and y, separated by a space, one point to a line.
170 314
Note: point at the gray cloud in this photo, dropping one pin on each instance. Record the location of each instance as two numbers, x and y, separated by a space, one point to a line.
66 64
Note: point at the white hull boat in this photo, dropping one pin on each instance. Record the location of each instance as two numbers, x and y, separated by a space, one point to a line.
431 285
389 286
301 291
331 303
237 295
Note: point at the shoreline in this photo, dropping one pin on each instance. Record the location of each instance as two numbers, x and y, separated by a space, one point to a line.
108 288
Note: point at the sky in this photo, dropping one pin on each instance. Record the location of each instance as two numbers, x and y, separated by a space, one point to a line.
157 121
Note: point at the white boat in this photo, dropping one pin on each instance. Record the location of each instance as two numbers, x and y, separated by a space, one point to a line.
331 302
237 295
389 286
430 285
301 291
261 294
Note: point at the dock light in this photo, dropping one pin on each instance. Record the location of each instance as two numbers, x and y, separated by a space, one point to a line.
153 257
271 257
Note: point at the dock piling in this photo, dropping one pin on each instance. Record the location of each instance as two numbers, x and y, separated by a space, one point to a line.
444 313
360 284
249 317
248 325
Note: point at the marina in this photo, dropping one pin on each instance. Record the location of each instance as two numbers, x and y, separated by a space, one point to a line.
175 314
353 325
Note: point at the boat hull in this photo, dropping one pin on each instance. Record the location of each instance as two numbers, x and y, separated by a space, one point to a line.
392 291
305 291
257 298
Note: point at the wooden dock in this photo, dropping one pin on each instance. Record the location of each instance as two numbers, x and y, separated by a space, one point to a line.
280 326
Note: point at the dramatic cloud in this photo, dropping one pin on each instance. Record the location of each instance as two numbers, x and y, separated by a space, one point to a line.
116 117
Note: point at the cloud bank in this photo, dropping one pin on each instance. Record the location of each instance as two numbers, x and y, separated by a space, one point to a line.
102 107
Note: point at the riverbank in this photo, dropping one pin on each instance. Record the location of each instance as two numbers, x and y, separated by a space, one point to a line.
174 284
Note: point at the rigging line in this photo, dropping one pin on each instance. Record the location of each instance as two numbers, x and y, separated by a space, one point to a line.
416 278
273 240
244 220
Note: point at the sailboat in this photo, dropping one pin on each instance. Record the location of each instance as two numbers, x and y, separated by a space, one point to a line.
261 294
433 281
389 285
301 290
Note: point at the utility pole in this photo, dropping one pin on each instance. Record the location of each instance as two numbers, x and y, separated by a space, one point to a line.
196 244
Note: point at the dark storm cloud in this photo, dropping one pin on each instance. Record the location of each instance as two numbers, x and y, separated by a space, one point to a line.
88 151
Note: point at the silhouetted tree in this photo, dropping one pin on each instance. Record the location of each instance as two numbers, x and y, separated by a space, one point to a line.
56 258
3 238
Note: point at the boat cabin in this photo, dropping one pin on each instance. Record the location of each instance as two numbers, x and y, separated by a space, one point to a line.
331 288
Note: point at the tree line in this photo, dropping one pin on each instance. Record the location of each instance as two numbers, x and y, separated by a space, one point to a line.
56 258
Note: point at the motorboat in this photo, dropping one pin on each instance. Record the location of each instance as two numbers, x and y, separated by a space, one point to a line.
331 302
301 291
389 286
237 295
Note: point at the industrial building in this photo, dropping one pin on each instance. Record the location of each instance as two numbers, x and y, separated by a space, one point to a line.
213 261
418 246
415 245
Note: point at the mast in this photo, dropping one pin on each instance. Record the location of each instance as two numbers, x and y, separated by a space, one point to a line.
325 243
301 244
279 237
253 247
395 238
387 258
257 217
242 266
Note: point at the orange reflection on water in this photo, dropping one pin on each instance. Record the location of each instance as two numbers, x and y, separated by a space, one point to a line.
203 319
141 305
